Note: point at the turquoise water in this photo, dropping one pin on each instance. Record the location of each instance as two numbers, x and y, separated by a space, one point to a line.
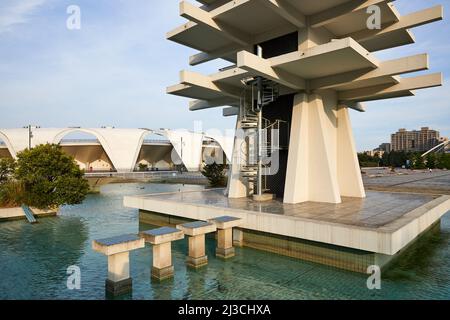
34 261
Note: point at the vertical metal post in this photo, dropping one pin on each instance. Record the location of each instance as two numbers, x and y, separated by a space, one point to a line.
260 106
30 135
181 153
181 148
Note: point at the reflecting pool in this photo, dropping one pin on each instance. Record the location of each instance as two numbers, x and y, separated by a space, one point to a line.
34 261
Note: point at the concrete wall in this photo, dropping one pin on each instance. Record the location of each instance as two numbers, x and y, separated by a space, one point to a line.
4 153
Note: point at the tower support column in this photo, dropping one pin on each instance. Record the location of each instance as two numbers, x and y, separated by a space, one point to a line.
237 186
322 162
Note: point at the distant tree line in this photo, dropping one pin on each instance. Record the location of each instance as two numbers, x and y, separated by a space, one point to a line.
411 160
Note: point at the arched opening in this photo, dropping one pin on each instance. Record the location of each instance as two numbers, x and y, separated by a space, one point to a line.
87 151
156 154
212 152
4 151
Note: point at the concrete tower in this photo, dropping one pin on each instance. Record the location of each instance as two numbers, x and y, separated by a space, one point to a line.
296 68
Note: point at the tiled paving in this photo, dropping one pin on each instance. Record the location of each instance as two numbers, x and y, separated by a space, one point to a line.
417 181
378 209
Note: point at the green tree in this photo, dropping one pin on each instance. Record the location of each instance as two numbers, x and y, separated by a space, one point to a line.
215 173
443 161
7 167
366 160
418 161
431 161
50 177
397 158
11 194
385 160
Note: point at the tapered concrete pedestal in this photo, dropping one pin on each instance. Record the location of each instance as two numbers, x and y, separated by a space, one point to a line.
117 249
196 232
161 239
322 164
225 227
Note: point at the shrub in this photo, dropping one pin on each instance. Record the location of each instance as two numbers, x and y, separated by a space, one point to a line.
418 162
368 164
50 178
431 160
7 167
11 194
143 167
215 173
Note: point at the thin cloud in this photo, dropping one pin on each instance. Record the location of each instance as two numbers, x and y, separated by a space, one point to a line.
13 12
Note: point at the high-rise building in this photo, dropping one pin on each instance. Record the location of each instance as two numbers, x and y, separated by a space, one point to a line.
385 147
415 141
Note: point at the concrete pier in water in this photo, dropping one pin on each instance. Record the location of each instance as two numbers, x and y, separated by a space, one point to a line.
117 249
161 239
196 231
225 225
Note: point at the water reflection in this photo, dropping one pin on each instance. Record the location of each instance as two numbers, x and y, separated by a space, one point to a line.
34 259
40 254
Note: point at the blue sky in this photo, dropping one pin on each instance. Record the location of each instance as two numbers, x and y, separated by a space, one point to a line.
115 70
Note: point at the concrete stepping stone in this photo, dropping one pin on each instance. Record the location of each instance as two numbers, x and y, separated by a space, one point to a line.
118 251
161 239
196 234
225 225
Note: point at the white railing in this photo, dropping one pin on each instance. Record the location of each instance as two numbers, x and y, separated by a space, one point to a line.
145 175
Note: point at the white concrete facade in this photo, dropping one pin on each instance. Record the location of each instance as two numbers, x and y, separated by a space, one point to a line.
122 146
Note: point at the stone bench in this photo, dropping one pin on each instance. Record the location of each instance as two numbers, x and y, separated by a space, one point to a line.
161 239
117 249
225 225
196 232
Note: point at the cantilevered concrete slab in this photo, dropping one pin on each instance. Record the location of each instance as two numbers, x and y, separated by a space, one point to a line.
381 223
266 19
335 57
342 65
217 30
320 25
